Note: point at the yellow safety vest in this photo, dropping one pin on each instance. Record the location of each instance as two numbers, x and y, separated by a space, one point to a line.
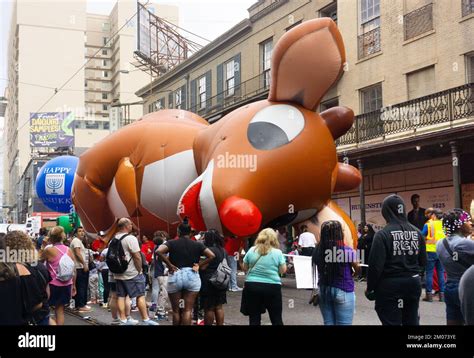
435 232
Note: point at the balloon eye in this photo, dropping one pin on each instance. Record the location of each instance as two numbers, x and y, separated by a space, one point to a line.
275 126
264 135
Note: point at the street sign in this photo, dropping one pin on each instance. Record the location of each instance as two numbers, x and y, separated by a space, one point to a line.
115 115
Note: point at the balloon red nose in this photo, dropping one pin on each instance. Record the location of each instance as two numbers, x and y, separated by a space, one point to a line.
240 216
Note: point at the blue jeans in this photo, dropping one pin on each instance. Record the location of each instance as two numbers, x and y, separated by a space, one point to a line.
231 260
433 261
337 306
453 304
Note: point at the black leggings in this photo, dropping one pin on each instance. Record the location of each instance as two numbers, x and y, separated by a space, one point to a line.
260 297
105 280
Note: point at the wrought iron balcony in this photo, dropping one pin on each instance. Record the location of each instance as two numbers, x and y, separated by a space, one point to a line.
411 116
467 7
369 43
245 91
418 21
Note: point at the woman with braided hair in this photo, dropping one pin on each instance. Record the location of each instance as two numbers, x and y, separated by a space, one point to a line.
456 253
335 261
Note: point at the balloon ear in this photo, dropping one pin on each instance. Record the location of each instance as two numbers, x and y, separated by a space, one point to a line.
306 62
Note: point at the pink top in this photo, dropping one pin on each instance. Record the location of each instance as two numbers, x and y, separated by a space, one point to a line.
54 263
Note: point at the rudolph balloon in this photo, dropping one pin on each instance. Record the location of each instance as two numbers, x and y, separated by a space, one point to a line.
268 163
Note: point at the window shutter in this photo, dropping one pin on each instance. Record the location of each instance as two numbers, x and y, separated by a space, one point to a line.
184 95
237 72
208 89
170 100
220 83
471 76
193 96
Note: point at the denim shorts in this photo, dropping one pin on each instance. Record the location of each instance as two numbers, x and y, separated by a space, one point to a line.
132 288
184 279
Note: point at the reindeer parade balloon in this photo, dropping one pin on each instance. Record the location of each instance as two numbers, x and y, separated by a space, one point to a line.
268 163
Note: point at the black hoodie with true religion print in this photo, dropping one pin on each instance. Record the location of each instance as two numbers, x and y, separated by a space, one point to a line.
399 249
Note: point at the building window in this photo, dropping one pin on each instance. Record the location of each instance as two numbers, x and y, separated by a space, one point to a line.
105 96
202 92
369 10
293 25
105 40
104 52
470 67
178 98
266 50
371 98
329 11
105 73
369 38
105 107
160 104
106 125
105 26
229 72
467 7
421 82
104 62
333 102
418 22
85 83
92 125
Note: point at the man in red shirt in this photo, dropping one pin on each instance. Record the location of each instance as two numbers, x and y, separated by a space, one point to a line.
233 247
147 248
99 243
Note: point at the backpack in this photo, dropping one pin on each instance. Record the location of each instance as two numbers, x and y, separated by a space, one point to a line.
115 258
221 277
66 267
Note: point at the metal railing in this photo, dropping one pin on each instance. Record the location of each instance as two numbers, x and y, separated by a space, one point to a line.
244 91
437 108
418 21
467 7
369 43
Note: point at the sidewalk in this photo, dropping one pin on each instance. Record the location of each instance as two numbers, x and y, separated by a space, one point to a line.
296 310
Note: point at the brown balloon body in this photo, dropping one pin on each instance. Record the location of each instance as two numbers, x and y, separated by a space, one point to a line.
271 162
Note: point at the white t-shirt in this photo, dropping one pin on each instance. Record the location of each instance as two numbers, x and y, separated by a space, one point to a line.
307 239
77 243
130 245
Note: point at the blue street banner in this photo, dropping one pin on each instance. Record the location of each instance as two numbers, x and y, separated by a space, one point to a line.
52 129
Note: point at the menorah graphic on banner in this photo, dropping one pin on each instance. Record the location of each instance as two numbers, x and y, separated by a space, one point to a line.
55 184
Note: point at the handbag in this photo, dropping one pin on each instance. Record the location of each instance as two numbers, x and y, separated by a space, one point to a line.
221 277
244 302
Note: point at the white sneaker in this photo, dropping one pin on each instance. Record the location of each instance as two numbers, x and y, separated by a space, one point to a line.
131 322
149 322
237 289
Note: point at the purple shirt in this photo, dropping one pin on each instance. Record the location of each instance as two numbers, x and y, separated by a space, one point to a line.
343 280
